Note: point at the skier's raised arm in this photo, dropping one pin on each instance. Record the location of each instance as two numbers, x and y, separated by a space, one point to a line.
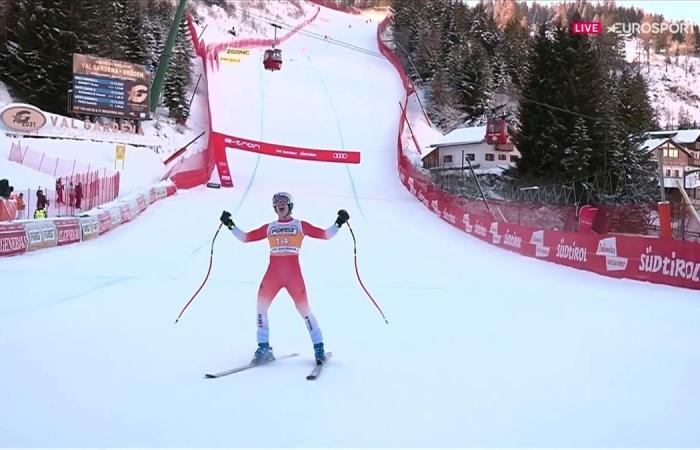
319 233
256 235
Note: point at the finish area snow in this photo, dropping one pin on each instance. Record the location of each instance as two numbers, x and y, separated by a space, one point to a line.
483 347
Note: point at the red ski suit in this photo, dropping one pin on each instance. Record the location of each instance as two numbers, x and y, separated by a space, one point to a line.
285 238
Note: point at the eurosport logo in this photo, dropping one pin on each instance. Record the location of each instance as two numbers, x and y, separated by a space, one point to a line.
596 28
650 28
340 156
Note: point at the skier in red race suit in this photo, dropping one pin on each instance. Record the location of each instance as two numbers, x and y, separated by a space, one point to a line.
284 236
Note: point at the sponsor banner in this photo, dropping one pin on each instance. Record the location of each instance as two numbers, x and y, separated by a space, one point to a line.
141 202
13 239
133 208
22 117
125 212
657 260
569 249
90 227
115 214
68 230
516 238
105 220
663 261
161 193
41 234
234 55
285 151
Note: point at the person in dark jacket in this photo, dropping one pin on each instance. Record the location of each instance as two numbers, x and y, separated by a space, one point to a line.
78 194
59 191
71 194
41 202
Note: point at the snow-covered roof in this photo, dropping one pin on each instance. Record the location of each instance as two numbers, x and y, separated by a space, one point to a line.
687 136
462 136
679 136
653 143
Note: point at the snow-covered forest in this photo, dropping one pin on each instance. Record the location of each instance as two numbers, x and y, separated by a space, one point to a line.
578 105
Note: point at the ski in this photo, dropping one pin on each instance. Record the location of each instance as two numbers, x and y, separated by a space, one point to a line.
319 367
246 367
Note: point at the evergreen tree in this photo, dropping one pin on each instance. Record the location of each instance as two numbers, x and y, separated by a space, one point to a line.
442 102
634 108
156 26
38 53
429 56
514 49
685 122
467 65
179 77
113 30
578 155
134 44
533 133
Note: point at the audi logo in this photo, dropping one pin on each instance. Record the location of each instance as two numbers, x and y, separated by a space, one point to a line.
340 156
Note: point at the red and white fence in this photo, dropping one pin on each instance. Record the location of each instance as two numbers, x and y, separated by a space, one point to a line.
51 165
23 236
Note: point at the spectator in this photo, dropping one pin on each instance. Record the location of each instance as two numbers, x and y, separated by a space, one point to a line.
41 202
20 206
78 194
71 195
40 213
5 188
59 192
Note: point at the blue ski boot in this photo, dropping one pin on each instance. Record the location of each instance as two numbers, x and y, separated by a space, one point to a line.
320 353
263 354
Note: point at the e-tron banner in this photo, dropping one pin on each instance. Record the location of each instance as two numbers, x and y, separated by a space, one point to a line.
285 151
105 87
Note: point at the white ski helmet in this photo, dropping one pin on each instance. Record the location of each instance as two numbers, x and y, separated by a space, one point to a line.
283 198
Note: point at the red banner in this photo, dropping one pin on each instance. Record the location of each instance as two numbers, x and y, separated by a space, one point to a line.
141 202
105 219
286 151
68 230
645 258
13 239
125 212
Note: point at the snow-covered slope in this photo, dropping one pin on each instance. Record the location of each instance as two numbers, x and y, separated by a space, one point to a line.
672 86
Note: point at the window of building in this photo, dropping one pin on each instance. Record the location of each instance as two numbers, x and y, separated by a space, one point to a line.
676 174
489 157
670 152
514 158
447 159
471 156
502 157
668 172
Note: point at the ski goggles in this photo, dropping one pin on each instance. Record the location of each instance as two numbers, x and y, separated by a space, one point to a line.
281 199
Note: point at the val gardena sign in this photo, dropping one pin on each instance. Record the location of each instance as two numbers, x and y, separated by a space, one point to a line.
23 118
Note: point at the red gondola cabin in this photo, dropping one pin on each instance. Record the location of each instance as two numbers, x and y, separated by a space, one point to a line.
273 59
496 131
